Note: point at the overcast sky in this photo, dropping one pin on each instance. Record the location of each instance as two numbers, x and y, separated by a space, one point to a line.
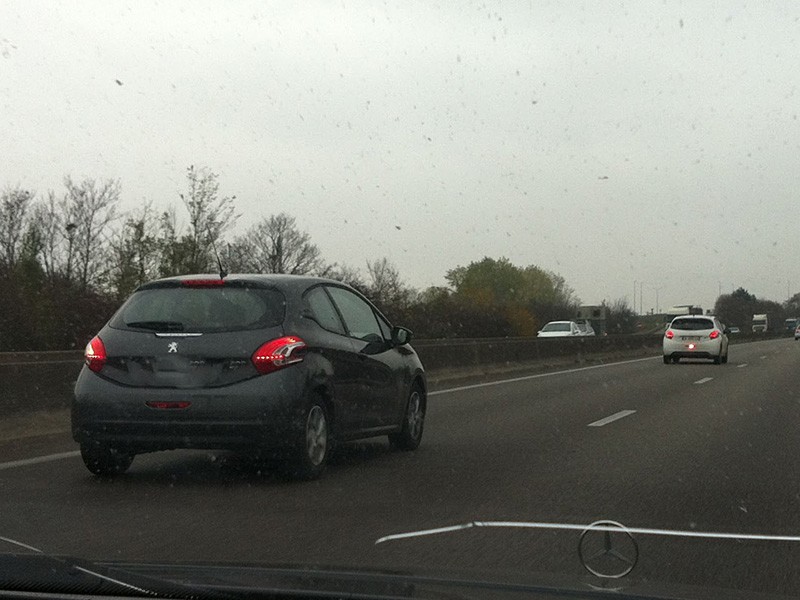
611 142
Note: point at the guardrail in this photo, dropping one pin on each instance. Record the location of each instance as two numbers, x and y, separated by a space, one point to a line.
31 381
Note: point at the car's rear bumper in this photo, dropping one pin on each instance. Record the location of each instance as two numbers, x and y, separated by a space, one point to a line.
692 349
260 412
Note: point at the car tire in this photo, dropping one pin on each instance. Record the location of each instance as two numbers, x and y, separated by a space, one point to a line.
105 461
676 359
718 359
725 358
410 435
309 455
667 360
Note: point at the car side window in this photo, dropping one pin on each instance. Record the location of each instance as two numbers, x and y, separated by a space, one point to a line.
359 318
323 310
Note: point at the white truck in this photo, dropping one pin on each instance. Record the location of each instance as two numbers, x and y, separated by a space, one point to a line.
760 323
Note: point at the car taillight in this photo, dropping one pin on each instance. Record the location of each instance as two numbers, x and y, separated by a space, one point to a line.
279 353
714 334
95 354
669 335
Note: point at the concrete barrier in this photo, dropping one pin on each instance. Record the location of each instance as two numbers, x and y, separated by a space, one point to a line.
35 381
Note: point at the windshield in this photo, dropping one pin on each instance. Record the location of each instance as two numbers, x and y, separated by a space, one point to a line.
434 193
692 324
556 327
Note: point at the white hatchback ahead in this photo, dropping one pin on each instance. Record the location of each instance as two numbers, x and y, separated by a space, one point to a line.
696 336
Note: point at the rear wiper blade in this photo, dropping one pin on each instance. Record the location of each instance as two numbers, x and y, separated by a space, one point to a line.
156 325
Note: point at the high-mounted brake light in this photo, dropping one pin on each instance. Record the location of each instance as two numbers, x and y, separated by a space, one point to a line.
95 354
669 335
714 334
279 353
202 282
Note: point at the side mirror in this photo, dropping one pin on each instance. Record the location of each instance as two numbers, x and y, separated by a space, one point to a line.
401 335
726 331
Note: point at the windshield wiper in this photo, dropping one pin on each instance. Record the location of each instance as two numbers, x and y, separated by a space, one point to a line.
156 325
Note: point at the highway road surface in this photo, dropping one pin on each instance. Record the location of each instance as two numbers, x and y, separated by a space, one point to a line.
690 447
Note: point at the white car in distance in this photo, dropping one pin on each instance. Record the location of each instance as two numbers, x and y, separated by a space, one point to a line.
555 329
696 336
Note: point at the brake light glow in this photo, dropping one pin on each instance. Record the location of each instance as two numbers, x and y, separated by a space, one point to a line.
95 354
714 334
203 282
670 334
279 353
169 405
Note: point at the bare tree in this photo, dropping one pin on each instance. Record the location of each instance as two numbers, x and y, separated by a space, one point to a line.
346 274
210 216
47 222
90 207
385 286
276 245
14 204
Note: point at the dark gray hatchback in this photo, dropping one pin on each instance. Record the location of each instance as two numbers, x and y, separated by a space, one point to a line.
264 364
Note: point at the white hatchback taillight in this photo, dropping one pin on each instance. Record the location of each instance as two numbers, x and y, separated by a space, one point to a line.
95 354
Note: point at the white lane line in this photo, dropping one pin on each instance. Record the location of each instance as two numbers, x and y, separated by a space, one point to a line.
703 380
38 459
763 357
540 375
741 366
610 419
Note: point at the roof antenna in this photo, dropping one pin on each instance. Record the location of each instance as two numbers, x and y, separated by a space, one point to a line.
222 272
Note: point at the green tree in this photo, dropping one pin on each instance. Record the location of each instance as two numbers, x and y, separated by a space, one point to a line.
135 253
497 285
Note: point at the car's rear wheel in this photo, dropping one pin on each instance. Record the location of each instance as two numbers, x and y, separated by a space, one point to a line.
718 358
725 358
410 434
667 359
676 359
105 461
310 453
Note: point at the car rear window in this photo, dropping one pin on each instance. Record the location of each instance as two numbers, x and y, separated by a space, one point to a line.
201 309
556 327
692 324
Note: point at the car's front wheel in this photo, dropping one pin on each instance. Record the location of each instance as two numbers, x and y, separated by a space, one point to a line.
105 461
410 434
310 453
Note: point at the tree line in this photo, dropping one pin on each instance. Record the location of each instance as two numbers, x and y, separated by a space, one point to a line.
738 307
69 258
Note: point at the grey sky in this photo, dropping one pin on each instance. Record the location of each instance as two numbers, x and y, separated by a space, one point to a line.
609 142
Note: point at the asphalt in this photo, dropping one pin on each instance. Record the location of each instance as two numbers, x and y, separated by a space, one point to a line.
708 449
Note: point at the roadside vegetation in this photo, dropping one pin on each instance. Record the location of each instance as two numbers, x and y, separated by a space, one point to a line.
68 257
